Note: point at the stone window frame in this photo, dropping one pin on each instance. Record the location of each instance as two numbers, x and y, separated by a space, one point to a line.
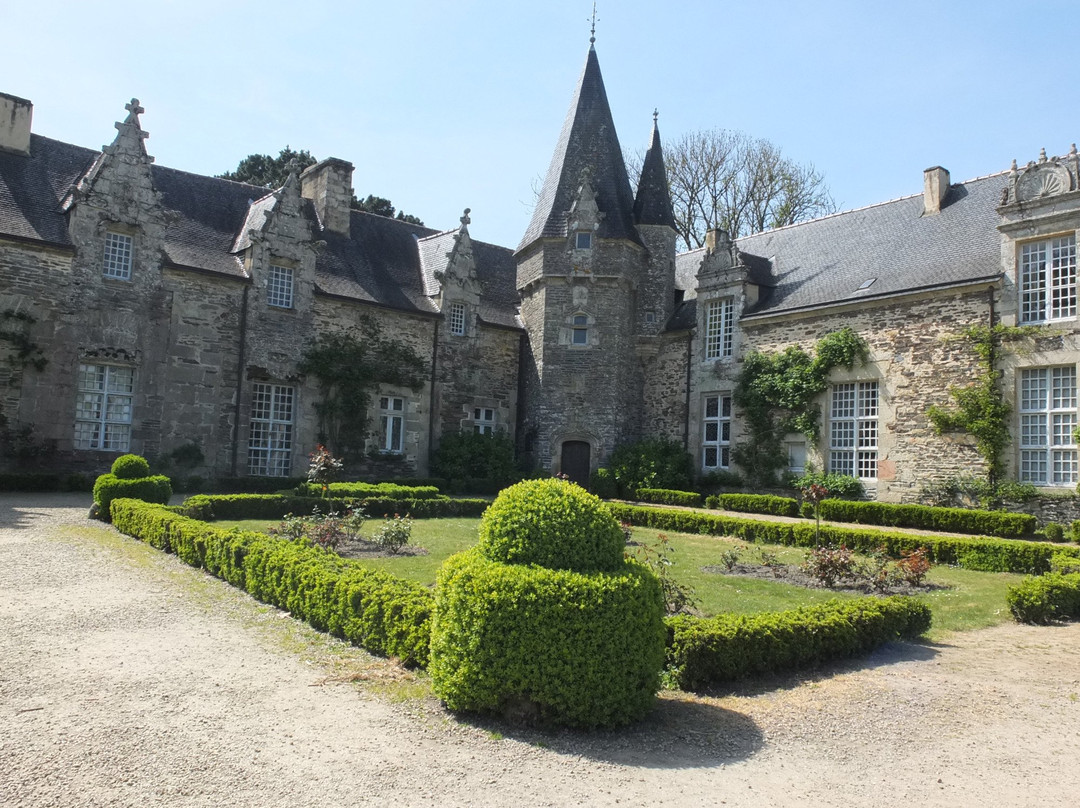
720 327
103 407
1047 422
391 435
579 329
1044 297
583 240
280 286
485 420
854 410
456 319
271 425
119 252
716 426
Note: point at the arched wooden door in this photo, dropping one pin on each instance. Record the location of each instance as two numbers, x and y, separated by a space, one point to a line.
576 461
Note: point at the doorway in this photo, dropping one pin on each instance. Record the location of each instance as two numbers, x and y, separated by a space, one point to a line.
576 461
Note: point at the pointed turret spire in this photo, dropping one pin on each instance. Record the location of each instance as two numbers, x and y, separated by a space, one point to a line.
653 202
588 140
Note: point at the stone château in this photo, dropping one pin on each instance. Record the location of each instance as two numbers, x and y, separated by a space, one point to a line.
172 310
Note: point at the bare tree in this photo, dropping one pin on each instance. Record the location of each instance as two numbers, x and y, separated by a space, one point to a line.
724 179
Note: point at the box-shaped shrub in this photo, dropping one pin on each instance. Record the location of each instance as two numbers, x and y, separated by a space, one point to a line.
149 489
545 617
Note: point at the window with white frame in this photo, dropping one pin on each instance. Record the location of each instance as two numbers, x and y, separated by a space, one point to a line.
117 256
1048 452
719 327
853 430
1048 280
484 420
457 319
716 441
103 407
391 424
579 331
279 286
270 440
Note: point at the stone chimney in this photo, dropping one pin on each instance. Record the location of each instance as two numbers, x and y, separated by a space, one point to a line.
328 184
935 188
15 115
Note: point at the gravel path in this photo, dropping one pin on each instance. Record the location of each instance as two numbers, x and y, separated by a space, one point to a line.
127 678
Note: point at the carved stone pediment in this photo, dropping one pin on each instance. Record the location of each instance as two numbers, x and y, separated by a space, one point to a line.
1043 178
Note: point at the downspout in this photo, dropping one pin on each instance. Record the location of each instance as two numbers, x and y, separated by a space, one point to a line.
686 414
431 397
992 361
240 359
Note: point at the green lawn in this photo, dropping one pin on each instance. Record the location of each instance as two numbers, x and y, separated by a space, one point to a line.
970 600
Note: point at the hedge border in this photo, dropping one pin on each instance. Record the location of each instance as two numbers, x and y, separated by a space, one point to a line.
976 553
276 506
668 496
1042 600
1003 524
382 613
755 503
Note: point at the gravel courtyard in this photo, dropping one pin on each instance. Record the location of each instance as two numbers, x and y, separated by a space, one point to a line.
130 679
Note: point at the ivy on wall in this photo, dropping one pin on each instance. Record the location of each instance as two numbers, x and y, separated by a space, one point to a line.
15 329
347 370
777 394
980 408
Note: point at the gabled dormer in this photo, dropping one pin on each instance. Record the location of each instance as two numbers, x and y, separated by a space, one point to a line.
459 291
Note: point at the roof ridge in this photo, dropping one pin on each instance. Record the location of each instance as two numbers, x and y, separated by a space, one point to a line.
862 208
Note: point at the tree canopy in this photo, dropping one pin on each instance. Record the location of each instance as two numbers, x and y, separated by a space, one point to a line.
726 179
271 172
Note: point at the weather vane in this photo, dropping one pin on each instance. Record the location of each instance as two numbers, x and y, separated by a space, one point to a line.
592 31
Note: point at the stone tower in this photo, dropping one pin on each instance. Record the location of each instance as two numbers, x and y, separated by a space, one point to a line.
596 273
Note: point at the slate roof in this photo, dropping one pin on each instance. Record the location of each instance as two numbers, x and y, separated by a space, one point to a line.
652 205
208 219
825 261
495 269
587 139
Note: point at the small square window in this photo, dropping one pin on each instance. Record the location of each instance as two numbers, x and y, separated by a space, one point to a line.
484 420
650 317
583 241
279 287
117 256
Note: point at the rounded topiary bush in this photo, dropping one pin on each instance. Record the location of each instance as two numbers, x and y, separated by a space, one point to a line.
554 524
546 617
130 467
566 647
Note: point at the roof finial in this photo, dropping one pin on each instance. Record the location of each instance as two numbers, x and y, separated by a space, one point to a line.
592 30
655 115
465 220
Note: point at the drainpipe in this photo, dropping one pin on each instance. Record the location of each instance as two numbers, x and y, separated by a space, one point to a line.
240 359
431 398
686 414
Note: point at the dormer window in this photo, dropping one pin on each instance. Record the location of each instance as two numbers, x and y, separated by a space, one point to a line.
583 241
457 319
579 333
117 256
279 287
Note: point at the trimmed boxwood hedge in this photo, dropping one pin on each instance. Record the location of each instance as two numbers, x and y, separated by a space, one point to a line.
975 553
580 649
1003 524
668 496
109 487
1041 600
704 652
369 490
276 506
755 503
370 608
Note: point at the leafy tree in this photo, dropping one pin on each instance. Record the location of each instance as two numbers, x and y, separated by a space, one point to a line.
725 179
268 171
271 172
347 370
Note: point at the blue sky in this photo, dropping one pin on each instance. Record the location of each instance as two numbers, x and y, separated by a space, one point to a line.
447 105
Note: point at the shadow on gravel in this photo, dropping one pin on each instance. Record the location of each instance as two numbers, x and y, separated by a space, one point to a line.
679 733
19 511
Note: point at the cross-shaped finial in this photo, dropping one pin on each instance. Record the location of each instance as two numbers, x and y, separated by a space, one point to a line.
465 220
293 166
134 107
592 30
655 115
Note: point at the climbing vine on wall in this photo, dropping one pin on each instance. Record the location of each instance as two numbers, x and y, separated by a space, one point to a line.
980 407
347 369
777 396
15 329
